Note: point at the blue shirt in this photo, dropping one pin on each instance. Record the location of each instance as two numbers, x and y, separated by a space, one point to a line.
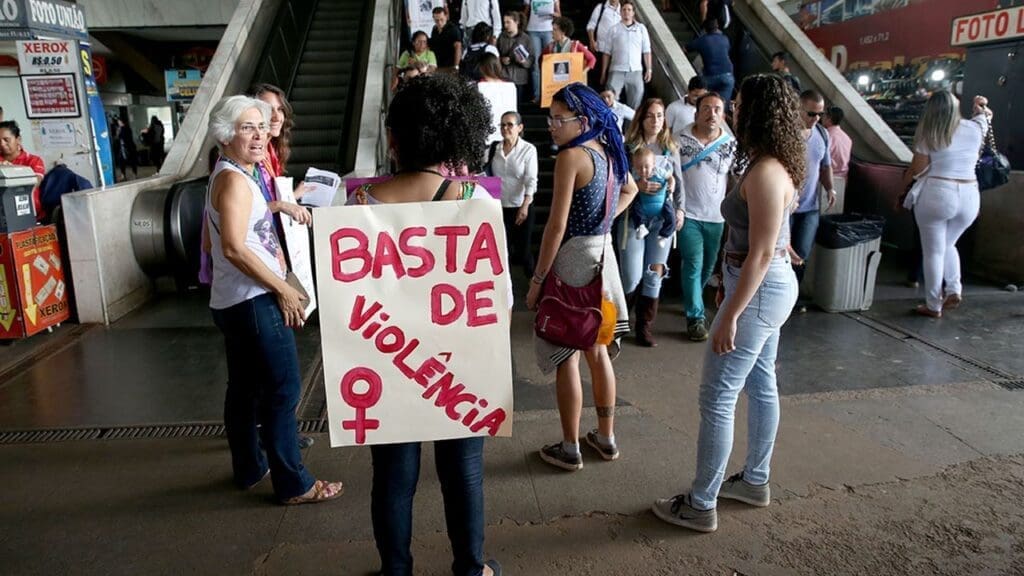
714 50
817 158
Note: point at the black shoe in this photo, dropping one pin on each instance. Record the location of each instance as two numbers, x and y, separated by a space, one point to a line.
305 442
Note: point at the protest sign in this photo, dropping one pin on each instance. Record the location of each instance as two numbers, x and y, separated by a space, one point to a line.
492 184
414 321
296 243
557 71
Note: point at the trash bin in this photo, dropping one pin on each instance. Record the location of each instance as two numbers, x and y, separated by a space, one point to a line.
846 261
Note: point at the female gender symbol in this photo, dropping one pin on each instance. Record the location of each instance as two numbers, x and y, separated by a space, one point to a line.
361 401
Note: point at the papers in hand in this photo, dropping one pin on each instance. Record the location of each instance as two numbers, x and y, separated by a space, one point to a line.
320 187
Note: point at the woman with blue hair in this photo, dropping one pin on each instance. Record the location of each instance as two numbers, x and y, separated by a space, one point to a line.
592 186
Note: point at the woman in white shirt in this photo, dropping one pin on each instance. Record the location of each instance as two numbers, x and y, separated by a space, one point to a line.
948 202
514 160
540 13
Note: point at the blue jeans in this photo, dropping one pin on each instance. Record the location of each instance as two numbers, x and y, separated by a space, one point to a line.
751 366
698 250
396 469
803 227
263 387
723 84
640 255
538 40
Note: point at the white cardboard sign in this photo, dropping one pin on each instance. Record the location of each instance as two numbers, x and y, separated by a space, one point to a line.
414 321
296 241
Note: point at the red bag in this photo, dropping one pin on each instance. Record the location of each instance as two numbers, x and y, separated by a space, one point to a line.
570 316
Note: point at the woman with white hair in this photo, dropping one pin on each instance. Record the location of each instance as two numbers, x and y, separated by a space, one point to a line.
947 201
255 309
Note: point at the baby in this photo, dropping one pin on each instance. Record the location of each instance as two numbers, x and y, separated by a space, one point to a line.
647 168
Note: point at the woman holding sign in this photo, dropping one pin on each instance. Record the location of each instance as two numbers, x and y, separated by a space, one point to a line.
433 122
592 185
255 308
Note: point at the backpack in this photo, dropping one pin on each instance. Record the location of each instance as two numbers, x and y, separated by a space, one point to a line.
469 67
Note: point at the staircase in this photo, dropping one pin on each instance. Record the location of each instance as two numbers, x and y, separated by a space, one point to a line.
326 77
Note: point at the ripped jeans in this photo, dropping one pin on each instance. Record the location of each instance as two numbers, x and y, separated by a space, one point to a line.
640 256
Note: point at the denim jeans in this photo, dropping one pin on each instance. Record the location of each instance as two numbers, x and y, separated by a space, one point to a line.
698 250
943 212
750 367
396 469
640 255
803 226
538 40
263 387
723 84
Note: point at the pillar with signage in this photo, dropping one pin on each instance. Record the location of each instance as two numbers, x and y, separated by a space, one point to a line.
53 85
995 69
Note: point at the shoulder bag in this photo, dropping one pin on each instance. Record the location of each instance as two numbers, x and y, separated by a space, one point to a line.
570 316
993 168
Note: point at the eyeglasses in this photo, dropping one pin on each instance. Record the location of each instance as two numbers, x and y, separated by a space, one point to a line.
554 122
815 114
248 128
508 124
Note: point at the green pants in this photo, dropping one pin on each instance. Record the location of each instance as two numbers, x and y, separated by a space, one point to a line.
698 251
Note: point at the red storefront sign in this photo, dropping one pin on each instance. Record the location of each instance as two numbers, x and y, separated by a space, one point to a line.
33 296
896 36
988 27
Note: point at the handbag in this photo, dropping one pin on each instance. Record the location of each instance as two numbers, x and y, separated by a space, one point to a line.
993 168
571 316
910 198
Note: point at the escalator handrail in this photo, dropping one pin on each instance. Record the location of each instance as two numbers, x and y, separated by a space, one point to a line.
303 39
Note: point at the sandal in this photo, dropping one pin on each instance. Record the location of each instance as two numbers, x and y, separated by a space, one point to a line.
494 566
322 491
924 310
952 302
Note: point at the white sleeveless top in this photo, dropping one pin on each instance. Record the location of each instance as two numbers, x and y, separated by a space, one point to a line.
230 285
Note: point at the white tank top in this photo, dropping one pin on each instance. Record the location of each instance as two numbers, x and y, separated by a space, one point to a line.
230 285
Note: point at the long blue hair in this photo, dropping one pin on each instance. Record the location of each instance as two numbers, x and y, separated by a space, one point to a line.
602 124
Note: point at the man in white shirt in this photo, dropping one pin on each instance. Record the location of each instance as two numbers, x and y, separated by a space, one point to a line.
627 64
707 153
604 17
681 113
476 11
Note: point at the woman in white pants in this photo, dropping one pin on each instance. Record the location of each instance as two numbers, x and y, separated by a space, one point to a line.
948 200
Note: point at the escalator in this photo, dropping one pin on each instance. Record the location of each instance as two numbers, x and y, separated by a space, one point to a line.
316 52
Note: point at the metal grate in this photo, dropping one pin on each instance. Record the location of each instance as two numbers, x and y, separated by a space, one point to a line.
313 426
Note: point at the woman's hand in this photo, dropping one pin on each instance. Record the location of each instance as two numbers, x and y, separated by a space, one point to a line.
723 336
297 213
301 190
521 214
290 302
680 219
505 60
533 296
981 106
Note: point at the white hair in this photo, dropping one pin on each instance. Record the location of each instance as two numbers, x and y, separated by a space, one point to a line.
226 113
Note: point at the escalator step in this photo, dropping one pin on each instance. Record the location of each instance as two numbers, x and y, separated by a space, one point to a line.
312 66
319 121
312 107
322 80
320 93
346 44
333 33
314 153
322 137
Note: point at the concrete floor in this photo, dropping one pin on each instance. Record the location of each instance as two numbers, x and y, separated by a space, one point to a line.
898 453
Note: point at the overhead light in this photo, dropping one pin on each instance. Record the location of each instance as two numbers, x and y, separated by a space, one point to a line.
938 75
863 80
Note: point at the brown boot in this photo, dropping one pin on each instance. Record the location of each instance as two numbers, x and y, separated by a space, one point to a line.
646 312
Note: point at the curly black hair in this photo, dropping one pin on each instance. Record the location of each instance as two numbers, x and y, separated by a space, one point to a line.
439 119
768 124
